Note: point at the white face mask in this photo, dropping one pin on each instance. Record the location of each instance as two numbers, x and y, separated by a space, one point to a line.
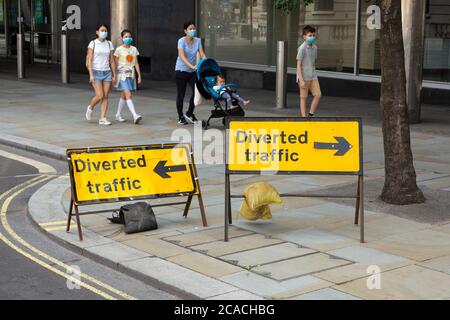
103 35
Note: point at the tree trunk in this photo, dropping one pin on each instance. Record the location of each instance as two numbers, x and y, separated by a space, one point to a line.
400 184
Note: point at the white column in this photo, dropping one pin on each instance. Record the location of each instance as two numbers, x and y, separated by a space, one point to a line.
413 14
123 16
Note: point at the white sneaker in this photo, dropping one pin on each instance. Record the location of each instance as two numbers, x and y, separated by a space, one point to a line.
89 113
120 119
137 119
104 122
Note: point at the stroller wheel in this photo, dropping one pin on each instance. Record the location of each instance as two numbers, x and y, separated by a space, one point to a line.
205 125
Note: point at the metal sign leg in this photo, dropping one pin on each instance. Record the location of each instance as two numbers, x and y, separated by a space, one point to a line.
69 219
188 206
358 201
80 232
361 211
202 209
227 206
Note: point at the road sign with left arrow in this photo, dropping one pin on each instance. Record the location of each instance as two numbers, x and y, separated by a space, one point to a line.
131 173
294 145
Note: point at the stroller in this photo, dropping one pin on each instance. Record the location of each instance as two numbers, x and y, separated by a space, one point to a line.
207 71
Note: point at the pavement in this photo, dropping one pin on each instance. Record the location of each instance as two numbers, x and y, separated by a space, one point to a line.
310 250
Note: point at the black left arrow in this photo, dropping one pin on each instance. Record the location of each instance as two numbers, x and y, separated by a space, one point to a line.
342 147
161 169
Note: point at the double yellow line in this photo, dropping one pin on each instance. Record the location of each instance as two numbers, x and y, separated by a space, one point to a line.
39 256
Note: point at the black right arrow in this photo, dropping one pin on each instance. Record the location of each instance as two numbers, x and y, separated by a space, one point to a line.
161 169
342 147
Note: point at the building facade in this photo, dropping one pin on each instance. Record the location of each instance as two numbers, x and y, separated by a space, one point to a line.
242 35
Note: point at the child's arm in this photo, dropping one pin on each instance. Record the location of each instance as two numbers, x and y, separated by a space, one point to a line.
300 74
138 71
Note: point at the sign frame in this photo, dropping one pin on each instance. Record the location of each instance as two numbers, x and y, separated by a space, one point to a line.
359 209
75 205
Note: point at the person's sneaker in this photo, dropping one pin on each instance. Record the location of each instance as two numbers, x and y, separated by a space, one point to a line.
182 121
138 119
120 119
191 118
89 113
104 122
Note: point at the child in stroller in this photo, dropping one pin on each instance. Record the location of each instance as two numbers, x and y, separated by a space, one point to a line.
226 101
231 96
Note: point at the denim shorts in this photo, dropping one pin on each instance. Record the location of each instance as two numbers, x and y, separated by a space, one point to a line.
101 76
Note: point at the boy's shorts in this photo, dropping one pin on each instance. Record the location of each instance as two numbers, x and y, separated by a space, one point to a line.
313 86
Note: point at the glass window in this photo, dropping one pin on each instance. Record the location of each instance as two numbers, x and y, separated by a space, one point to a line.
335 33
235 30
369 48
247 31
437 41
324 5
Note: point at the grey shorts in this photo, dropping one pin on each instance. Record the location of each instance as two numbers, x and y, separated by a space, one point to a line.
101 76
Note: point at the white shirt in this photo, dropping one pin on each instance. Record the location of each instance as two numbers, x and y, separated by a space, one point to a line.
102 50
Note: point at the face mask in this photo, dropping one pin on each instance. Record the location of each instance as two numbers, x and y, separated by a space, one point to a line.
127 41
103 35
192 33
311 40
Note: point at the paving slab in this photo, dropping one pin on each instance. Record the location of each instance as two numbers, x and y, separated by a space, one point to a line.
300 266
325 294
378 227
410 283
205 265
441 264
267 255
368 256
237 295
116 253
221 248
196 238
182 279
364 258
419 245
273 289
156 247
317 239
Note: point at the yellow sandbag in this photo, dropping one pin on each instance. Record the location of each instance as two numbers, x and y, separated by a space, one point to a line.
248 213
263 212
261 194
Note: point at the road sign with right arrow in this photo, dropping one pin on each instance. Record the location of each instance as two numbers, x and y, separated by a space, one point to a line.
294 145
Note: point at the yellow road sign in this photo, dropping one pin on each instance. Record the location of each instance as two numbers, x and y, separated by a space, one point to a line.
131 173
294 145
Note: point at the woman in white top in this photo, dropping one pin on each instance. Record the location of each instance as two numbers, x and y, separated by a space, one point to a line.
102 72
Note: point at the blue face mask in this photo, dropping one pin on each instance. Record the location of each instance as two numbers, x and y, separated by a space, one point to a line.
127 41
311 40
192 33
103 35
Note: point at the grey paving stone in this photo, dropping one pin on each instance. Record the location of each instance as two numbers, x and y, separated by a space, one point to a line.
267 255
317 239
270 288
300 266
116 252
175 276
237 295
366 255
325 294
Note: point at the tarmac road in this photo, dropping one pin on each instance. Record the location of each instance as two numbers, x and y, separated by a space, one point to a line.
33 267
